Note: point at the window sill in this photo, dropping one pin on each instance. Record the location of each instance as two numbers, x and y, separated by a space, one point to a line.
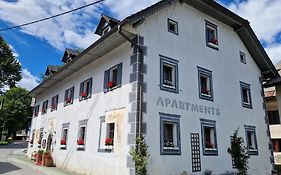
168 86
80 147
214 46
210 149
247 105
84 98
206 95
253 151
171 148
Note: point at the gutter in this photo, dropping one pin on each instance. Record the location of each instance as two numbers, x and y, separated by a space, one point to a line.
140 84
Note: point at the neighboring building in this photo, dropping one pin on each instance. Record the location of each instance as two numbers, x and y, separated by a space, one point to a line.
273 104
185 73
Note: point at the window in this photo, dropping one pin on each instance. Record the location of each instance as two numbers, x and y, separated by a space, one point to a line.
44 107
246 95
205 84
85 89
170 134
211 35
273 117
54 104
209 138
69 96
276 145
242 57
64 133
81 141
41 136
172 26
168 74
251 140
36 110
32 137
109 141
113 78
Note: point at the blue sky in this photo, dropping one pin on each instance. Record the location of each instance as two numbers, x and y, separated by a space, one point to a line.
43 44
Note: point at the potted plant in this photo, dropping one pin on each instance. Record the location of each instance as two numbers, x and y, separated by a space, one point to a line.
84 94
44 156
108 143
209 145
39 157
48 160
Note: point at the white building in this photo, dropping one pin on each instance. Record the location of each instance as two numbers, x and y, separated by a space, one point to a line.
185 73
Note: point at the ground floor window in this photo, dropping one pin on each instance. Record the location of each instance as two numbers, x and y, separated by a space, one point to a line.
276 145
170 134
106 135
81 140
209 139
251 140
64 134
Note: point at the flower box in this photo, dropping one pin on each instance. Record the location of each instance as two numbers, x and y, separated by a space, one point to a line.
214 41
54 107
84 94
111 84
204 91
108 142
209 145
63 142
68 100
80 142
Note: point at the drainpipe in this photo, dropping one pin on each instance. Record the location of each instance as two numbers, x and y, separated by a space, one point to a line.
140 74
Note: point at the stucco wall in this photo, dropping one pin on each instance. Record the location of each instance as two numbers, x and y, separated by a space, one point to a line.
89 161
189 48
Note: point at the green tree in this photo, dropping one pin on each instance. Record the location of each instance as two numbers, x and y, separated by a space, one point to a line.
10 68
16 112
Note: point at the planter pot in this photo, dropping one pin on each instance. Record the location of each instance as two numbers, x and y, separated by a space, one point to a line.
38 158
45 157
49 161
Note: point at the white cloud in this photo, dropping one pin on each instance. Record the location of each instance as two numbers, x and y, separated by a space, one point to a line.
274 52
15 53
54 31
28 80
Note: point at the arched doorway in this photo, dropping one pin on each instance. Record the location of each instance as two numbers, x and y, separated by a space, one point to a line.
49 142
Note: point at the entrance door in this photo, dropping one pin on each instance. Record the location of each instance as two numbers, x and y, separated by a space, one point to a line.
49 142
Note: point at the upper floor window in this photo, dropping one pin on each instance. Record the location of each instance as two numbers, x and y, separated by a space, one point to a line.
209 137
246 95
211 35
54 104
85 89
170 134
36 110
172 26
113 78
69 96
273 117
205 84
44 107
242 57
251 140
168 74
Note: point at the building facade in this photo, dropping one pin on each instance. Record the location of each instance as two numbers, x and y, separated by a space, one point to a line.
163 72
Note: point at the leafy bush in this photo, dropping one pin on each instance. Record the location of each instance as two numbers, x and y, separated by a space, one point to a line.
207 172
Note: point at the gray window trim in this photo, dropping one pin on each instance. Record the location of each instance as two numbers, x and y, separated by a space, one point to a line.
82 123
174 63
213 46
242 54
102 120
210 124
251 129
171 118
65 126
208 73
177 26
107 76
248 87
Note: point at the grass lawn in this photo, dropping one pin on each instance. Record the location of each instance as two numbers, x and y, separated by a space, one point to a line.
3 142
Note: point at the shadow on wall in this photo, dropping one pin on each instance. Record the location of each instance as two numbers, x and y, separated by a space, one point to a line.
6 167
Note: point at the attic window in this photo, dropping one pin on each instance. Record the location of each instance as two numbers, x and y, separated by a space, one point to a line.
172 26
106 29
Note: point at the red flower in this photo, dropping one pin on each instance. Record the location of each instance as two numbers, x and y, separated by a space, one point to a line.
209 145
108 141
110 84
205 91
63 142
84 94
214 41
80 142
68 100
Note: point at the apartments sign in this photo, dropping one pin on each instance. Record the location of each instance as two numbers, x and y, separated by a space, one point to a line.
187 106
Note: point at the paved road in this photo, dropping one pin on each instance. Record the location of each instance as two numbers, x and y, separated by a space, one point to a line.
8 168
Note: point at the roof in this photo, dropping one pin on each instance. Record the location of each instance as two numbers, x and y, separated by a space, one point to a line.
51 69
105 19
209 7
69 53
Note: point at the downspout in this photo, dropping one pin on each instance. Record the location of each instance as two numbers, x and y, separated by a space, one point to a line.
140 84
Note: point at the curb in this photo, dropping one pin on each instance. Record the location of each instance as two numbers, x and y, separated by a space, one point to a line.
45 170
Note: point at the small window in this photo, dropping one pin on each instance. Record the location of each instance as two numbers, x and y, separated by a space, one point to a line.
168 74
36 110
246 95
209 140
109 140
242 57
41 136
85 89
273 117
81 140
44 107
69 96
211 35
251 140
64 134
172 26
170 134
276 145
54 104
205 84
31 140
113 78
